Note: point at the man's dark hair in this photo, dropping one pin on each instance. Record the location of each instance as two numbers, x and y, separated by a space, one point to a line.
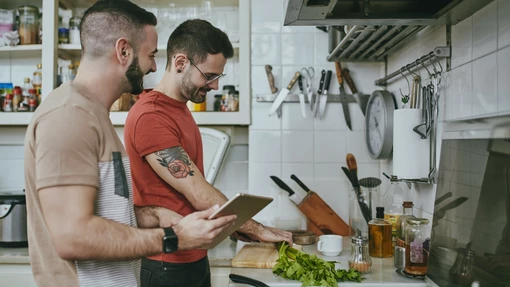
198 38
108 20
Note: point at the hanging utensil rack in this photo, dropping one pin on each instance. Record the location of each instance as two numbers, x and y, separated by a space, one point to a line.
371 43
437 53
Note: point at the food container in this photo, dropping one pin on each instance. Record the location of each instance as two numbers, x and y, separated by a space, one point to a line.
6 24
28 25
303 237
360 259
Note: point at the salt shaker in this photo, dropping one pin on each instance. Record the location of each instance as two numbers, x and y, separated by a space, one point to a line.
360 259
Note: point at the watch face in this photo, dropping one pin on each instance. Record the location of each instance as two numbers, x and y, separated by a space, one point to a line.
376 124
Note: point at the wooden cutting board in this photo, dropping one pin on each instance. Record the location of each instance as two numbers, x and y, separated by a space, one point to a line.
256 255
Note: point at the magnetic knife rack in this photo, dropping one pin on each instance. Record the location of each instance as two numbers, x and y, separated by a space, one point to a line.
294 98
438 52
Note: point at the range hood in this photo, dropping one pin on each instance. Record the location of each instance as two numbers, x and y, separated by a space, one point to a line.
379 12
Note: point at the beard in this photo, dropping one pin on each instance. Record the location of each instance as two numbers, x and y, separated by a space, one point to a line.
191 91
134 75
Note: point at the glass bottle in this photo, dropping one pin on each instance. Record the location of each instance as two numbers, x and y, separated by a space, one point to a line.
225 97
401 222
217 103
379 232
461 272
417 246
360 258
26 87
28 25
393 200
74 30
37 78
357 221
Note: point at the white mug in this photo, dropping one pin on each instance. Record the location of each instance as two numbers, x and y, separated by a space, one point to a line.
330 245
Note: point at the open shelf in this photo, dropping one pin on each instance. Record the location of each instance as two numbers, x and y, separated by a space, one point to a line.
119 118
22 50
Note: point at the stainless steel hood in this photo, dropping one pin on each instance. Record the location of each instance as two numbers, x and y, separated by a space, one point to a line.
379 12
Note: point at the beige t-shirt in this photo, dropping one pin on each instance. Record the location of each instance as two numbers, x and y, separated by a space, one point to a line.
71 141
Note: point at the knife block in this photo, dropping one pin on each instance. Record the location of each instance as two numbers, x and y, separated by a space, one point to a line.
322 217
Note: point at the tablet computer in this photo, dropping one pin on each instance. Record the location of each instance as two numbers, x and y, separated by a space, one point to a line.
245 206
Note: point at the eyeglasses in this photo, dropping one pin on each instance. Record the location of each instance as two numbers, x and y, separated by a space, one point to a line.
209 79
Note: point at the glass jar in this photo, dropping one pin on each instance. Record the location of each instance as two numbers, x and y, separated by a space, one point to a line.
356 219
360 259
8 103
393 200
74 30
217 103
225 97
417 246
235 105
63 36
28 25
461 272
17 98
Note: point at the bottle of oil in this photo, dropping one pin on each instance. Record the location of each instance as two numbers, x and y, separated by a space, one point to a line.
380 238
393 199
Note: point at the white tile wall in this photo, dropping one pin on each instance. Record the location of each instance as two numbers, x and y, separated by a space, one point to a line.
503 23
312 149
462 42
462 92
503 80
485 30
485 96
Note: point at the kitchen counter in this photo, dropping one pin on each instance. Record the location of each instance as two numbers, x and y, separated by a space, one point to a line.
382 273
220 256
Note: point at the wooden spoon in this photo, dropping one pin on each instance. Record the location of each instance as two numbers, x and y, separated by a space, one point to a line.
351 163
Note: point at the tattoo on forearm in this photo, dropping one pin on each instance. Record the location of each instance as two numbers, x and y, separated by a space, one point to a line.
176 160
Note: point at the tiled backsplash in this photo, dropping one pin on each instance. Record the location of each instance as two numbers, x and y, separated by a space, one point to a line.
476 87
310 148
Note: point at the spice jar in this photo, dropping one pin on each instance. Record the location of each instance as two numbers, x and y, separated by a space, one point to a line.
360 259
32 105
461 272
17 97
28 24
417 246
8 103
74 30
63 36
225 97
217 103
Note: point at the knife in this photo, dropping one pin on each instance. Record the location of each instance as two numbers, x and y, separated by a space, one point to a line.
301 97
319 92
362 100
300 183
246 280
343 95
283 94
274 89
324 95
296 198
441 213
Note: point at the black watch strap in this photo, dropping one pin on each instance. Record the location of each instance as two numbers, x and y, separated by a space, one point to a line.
170 241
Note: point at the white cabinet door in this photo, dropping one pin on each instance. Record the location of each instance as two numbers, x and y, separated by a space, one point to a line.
16 275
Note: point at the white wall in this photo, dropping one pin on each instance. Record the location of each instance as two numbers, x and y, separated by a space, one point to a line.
476 87
312 149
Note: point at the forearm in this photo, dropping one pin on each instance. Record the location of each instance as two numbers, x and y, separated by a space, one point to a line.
147 217
251 227
103 239
203 195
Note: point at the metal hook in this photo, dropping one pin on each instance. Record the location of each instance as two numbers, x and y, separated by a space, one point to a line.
432 63
416 63
408 85
430 75
410 72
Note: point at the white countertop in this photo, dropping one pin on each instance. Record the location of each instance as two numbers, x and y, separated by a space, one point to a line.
220 256
382 273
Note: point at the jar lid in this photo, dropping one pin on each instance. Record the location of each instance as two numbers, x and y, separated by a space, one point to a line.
358 240
31 91
218 96
417 221
28 8
63 30
407 204
229 87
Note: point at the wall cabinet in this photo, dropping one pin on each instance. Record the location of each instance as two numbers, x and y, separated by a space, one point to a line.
20 61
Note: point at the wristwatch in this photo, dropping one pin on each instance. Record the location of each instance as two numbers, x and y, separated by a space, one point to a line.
170 240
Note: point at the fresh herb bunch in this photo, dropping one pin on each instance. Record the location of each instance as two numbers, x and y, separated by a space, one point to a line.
310 270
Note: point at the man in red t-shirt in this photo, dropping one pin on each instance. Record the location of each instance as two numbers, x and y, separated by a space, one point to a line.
165 148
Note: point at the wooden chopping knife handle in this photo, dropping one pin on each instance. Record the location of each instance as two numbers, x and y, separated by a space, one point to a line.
339 73
270 78
349 81
293 81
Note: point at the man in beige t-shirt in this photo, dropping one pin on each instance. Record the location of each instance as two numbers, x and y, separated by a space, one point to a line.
81 221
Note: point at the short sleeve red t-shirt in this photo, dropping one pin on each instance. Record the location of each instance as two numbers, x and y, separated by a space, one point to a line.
154 123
